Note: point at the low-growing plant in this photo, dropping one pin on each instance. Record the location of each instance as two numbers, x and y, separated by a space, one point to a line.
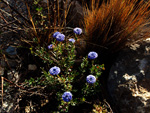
70 82
73 84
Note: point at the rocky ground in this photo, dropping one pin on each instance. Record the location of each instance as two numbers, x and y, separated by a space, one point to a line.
128 81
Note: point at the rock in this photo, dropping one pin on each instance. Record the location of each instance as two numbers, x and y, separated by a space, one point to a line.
75 15
9 100
129 80
11 51
32 67
7 106
12 63
13 75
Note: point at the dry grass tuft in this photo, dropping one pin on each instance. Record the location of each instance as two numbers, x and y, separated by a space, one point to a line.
53 19
116 24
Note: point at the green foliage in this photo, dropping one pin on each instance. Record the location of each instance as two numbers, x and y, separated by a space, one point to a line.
63 55
72 76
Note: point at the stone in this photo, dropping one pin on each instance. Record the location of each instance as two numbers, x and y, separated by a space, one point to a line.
13 75
129 80
32 67
9 100
75 15
12 63
7 106
11 50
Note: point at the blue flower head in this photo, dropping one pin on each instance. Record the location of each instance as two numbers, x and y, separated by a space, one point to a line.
77 30
91 79
92 55
55 34
50 46
67 96
54 70
72 40
60 37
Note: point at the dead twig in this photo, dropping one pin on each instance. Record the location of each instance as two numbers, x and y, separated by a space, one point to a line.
13 83
2 79
7 3
8 14
33 93
3 18
111 111
7 24
5 59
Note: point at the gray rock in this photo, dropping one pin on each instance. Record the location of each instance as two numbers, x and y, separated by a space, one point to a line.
129 80
32 67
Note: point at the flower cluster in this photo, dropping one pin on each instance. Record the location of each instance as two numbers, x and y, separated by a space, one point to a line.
91 79
59 36
55 34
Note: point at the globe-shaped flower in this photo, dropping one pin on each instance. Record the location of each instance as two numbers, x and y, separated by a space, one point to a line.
67 96
91 79
60 37
72 40
77 30
55 34
50 46
54 70
92 55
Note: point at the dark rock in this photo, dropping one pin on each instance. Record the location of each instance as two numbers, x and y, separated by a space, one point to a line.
129 80
10 62
75 15
11 50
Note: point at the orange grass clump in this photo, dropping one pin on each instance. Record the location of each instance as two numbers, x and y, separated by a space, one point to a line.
116 23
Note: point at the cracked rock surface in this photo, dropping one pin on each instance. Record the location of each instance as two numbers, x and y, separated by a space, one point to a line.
129 79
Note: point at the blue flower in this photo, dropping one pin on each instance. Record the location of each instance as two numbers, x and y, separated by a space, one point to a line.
72 40
91 79
54 70
77 30
67 96
92 55
55 34
50 46
60 37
